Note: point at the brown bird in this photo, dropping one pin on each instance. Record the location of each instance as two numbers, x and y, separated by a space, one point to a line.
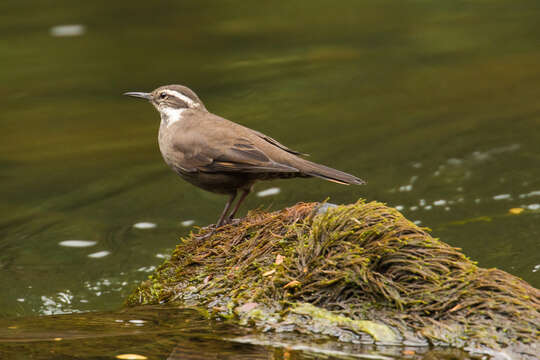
221 156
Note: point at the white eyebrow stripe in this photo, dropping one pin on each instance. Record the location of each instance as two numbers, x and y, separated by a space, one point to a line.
182 97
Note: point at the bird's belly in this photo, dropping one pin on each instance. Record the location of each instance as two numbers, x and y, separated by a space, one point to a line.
220 183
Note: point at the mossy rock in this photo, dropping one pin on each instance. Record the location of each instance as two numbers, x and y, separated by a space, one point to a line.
359 272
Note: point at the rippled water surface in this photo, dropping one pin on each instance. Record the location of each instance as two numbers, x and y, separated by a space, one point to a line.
434 104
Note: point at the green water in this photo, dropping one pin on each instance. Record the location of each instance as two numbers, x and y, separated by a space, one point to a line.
164 333
435 104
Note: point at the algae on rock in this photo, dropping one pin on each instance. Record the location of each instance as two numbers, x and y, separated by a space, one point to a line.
360 269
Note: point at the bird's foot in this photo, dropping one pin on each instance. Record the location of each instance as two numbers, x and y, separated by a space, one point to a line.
231 221
213 228
205 233
200 237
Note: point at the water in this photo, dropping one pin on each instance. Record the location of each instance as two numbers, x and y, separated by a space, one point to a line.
434 104
166 333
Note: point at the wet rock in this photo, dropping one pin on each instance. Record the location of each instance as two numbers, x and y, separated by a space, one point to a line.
360 273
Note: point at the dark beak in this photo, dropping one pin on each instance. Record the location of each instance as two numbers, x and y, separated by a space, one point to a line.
141 95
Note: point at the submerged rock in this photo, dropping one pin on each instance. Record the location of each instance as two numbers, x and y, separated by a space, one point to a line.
359 272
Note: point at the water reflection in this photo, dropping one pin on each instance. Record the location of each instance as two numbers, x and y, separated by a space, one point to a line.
62 303
165 332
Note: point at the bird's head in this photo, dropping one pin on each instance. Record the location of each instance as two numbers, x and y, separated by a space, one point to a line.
171 101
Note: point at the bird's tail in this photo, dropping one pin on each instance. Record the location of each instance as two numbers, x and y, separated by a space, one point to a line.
327 173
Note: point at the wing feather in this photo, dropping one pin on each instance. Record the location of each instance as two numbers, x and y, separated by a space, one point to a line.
242 156
277 143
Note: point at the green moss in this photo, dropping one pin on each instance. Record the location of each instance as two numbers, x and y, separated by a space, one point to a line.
361 267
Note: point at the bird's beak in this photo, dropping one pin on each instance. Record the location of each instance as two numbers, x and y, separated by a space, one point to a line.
141 95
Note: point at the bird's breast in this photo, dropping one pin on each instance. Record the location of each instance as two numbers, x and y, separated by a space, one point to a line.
166 146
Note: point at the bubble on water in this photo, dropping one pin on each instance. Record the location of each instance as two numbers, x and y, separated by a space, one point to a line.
404 188
187 223
144 225
99 254
146 268
533 207
269 192
77 243
529 194
67 30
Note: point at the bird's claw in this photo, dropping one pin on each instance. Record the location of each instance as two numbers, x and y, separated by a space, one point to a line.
213 228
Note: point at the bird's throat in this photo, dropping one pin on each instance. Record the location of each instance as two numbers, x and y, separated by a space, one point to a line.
170 116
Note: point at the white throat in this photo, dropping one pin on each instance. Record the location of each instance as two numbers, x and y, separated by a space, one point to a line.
170 115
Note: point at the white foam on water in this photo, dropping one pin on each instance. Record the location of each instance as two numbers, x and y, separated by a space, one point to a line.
144 225
99 254
77 243
187 223
269 192
67 30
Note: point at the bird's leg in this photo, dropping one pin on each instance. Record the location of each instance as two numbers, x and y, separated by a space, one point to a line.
227 207
237 206
222 219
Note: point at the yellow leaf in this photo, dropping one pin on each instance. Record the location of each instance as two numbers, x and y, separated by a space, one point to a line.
516 211
131 357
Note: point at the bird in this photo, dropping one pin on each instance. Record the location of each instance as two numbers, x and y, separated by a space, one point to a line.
221 156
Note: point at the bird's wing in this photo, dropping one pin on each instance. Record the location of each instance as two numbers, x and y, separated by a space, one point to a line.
243 156
277 143
224 149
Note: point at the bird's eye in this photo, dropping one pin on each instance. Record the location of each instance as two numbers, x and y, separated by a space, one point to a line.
162 95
